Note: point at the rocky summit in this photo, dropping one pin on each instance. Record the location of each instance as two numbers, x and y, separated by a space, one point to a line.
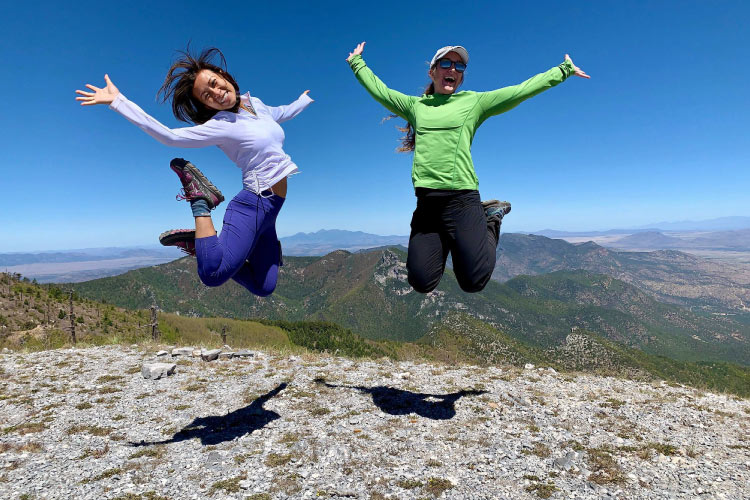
86 424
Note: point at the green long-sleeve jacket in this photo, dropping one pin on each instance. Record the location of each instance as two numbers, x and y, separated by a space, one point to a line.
445 125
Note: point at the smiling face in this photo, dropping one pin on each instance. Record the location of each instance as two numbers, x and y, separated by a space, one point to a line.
214 91
446 81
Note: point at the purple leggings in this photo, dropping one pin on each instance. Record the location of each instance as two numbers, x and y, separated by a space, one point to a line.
247 250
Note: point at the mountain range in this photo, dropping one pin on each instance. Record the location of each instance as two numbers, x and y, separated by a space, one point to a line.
668 275
367 292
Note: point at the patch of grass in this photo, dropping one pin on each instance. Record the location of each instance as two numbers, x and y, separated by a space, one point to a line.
319 411
152 452
663 449
542 490
91 429
289 438
231 485
96 453
182 407
259 496
149 495
436 486
109 378
109 390
104 475
240 459
612 403
30 447
541 450
409 484
604 467
277 459
84 406
434 463
25 428
194 387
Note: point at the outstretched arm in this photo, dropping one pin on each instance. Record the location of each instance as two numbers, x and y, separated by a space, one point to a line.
396 102
207 134
281 114
505 99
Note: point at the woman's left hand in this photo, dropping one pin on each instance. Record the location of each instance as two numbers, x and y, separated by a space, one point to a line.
307 92
579 71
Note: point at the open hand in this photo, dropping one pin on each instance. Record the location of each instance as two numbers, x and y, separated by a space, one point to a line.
579 71
99 95
357 51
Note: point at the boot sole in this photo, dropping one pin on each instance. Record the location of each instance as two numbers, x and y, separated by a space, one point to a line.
173 236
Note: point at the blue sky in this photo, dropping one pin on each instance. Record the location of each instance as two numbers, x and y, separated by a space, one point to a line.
659 133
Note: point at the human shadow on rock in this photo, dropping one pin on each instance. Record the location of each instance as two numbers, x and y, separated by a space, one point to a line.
218 429
401 402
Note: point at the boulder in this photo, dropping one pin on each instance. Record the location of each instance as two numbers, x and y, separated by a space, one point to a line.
155 371
210 355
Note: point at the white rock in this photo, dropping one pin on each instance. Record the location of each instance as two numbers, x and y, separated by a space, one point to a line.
154 371
182 351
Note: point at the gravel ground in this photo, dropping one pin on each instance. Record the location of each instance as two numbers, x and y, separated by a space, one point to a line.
85 424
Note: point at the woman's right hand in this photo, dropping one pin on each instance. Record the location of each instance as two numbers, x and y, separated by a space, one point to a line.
99 95
357 51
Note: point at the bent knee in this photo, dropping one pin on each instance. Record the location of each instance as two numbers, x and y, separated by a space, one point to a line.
212 280
423 286
473 286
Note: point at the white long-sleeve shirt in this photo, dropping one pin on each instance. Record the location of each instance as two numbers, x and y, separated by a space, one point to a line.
253 143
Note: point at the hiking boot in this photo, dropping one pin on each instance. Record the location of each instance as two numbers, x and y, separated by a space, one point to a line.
184 239
495 208
195 185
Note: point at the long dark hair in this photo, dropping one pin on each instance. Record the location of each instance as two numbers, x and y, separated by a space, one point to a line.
178 84
408 141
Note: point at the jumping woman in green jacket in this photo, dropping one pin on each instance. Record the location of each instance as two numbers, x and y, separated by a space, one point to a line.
440 128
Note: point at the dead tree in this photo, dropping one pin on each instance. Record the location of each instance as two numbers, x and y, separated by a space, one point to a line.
154 325
224 334
72 319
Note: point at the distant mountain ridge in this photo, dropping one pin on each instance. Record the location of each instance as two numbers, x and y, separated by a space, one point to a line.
671 276
731 223
368 293
329 240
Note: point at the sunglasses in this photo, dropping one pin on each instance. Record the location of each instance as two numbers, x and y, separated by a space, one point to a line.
447 63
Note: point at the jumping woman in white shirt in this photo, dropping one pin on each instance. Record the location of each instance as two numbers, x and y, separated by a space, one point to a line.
248 131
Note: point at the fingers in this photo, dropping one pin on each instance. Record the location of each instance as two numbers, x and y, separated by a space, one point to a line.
87 94
95 89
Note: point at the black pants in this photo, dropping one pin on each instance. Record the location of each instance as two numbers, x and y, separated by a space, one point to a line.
451 221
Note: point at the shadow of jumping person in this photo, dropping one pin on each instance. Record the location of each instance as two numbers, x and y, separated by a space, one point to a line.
217 429
401 402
